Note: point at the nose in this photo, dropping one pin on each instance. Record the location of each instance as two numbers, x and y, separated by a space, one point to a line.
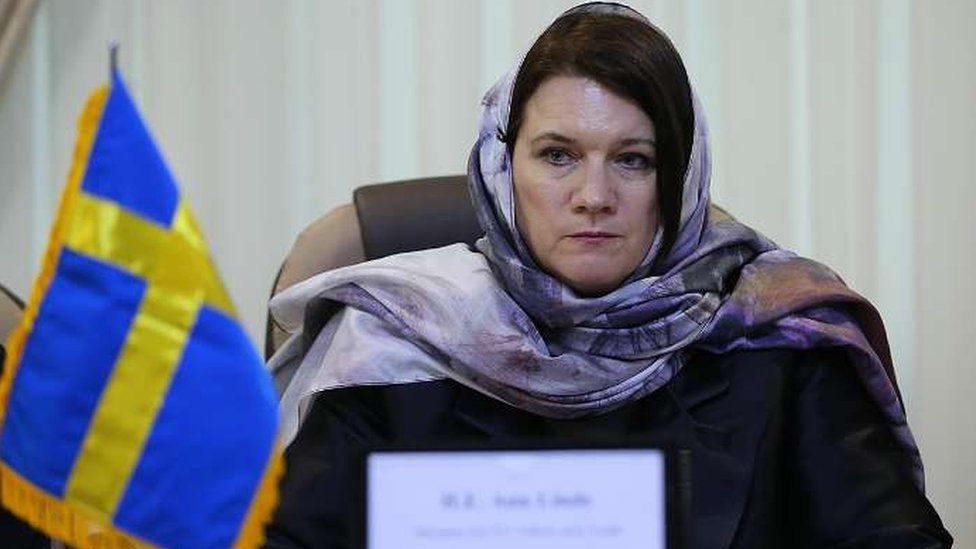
595 192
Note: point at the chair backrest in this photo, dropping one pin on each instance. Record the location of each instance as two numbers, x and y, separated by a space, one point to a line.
11 307
384 219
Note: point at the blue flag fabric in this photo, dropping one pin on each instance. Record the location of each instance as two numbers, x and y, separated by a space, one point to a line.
135 410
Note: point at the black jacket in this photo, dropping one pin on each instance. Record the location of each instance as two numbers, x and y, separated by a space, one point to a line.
787 451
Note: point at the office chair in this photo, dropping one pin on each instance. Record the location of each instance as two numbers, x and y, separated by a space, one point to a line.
383 219
10 310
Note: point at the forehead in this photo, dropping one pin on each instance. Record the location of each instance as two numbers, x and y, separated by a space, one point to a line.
581 107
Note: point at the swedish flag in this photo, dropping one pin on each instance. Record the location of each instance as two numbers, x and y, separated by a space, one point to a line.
137 412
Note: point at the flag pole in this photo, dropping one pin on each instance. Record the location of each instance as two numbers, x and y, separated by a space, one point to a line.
113 59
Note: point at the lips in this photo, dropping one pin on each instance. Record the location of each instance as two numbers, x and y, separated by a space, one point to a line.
593 238
594 234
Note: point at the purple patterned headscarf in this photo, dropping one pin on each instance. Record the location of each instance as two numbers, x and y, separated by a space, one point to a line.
495 322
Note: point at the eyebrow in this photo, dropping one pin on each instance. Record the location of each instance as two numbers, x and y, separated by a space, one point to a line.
554 136
638 141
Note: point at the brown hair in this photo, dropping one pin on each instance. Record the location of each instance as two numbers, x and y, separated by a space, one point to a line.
635 60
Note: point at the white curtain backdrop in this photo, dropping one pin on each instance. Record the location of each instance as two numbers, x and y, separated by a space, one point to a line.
843 129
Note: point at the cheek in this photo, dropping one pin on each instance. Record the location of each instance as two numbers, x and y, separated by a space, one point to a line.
646 201
531 215
642 214
535 205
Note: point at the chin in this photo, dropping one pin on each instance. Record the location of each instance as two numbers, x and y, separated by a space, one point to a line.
591 278
591 286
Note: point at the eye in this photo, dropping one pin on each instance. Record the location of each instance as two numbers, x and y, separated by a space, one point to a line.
635 161
556 156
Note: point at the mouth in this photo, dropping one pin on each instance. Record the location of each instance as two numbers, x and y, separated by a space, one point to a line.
593 236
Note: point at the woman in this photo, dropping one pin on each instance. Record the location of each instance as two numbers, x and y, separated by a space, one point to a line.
608 298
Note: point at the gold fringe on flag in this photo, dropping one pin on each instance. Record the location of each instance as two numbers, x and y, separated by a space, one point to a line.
263 505
60 519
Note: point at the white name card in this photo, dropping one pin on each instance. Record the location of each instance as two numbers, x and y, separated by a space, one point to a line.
565 499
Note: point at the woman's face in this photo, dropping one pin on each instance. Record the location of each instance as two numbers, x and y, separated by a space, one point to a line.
585 183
